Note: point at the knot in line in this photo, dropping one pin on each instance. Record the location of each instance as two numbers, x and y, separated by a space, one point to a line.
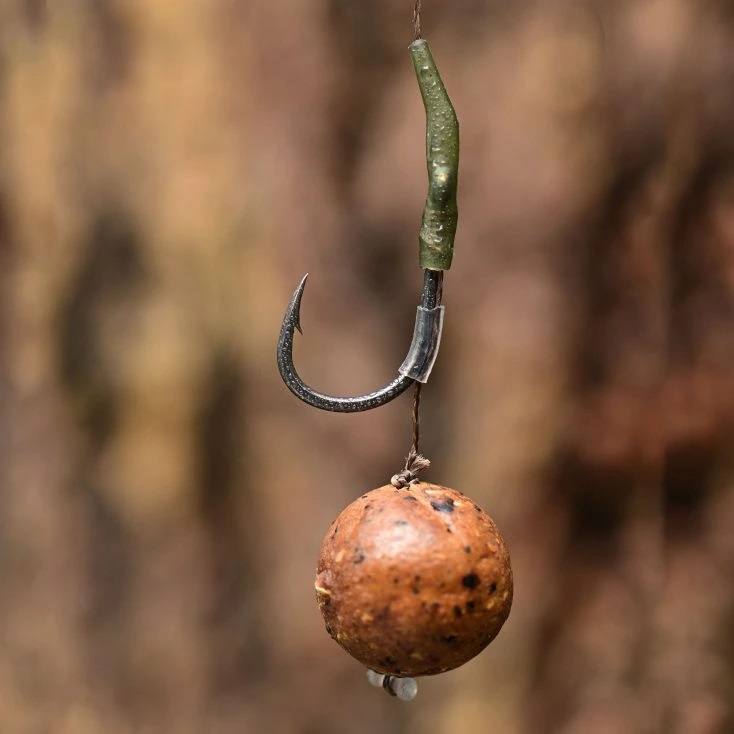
414 464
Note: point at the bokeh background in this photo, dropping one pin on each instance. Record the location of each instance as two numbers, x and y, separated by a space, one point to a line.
169 170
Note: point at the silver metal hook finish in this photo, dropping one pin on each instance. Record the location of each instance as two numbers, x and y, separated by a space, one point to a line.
416 367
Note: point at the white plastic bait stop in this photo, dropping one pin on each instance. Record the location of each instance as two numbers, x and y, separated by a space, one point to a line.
405 689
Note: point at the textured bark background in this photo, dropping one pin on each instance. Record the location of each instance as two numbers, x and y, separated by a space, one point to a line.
167 173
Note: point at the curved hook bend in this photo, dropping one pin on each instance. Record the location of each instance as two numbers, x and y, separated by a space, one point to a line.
416 366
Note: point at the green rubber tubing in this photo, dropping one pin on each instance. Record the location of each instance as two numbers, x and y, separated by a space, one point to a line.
440 214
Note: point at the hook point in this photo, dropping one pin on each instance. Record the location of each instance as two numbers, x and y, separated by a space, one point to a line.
294 307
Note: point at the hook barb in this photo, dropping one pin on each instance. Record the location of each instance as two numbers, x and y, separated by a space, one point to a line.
417 365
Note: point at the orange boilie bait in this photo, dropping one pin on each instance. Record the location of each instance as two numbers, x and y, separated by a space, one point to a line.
414 581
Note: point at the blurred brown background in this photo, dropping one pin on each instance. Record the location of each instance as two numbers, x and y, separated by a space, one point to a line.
168 171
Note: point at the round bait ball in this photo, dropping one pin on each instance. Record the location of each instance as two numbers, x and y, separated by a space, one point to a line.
414 581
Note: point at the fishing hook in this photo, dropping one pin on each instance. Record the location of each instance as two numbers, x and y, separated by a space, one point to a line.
436 243
416 366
